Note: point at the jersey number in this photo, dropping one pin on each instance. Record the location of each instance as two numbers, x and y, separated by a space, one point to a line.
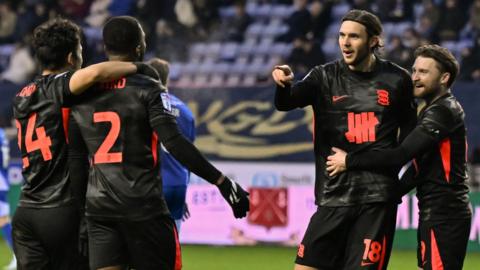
361 127
103 155
42 143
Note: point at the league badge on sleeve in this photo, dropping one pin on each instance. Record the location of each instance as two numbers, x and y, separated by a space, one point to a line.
167 105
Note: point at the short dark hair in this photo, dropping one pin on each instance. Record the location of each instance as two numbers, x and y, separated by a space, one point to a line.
122 34
372 23
445 60
54 40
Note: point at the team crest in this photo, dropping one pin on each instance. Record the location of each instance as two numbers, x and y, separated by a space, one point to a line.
383 98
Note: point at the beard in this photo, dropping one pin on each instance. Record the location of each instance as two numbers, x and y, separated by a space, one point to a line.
362 54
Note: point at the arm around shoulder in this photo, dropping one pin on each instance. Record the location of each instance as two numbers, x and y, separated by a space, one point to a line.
83 78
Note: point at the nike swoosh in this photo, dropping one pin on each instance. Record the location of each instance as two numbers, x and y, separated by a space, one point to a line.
338 98
366 263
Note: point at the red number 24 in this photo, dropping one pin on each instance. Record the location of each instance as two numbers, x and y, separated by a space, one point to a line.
42 142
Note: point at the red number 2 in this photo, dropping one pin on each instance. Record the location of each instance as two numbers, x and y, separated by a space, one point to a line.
103 155
42 142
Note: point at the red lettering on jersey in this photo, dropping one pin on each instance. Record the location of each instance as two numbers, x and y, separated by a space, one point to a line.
361 127
27 90
118 84
383 98
301 251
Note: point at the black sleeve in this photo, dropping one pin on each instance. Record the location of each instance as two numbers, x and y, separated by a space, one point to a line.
164 124
301 94
61 88
438 121
416 143
408 109
77 162
185 152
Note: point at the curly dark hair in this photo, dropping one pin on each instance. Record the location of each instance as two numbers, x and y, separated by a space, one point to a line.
54 40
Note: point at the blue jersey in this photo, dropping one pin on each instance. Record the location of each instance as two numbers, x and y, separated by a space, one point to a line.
4 159
173 172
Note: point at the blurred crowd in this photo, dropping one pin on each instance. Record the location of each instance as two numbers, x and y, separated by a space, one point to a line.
171 27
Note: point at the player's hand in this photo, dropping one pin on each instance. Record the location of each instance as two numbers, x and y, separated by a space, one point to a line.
146 69
336 163
282 75
236 197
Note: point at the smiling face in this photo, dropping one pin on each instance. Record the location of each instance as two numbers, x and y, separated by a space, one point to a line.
354 43
427 78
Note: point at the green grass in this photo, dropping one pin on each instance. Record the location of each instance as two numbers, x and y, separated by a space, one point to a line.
262 258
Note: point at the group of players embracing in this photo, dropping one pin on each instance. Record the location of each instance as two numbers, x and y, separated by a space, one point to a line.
104 122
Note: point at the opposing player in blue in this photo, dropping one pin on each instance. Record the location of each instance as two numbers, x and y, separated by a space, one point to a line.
4 187
175 176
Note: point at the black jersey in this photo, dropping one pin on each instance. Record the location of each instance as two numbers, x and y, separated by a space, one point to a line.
442 191
354 111
41 125
115 120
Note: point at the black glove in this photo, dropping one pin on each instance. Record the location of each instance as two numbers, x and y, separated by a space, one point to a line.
236 197
146 69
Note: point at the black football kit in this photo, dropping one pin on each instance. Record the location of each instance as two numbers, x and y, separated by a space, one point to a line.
45 225
352 111
122 123
439 147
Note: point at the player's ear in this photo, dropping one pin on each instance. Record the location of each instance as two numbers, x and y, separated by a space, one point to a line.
374 40
71 59
444 78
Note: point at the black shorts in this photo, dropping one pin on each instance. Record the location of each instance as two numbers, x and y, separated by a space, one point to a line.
143 245
442 243
46 238
353 237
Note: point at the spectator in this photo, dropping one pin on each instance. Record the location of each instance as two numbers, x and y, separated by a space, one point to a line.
321 14
472 28
360 4
452 20
8 21
306 54
76 10
234 27
400 54
208 17
470 65
98 13
395 10
170 43
299 23
21 67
